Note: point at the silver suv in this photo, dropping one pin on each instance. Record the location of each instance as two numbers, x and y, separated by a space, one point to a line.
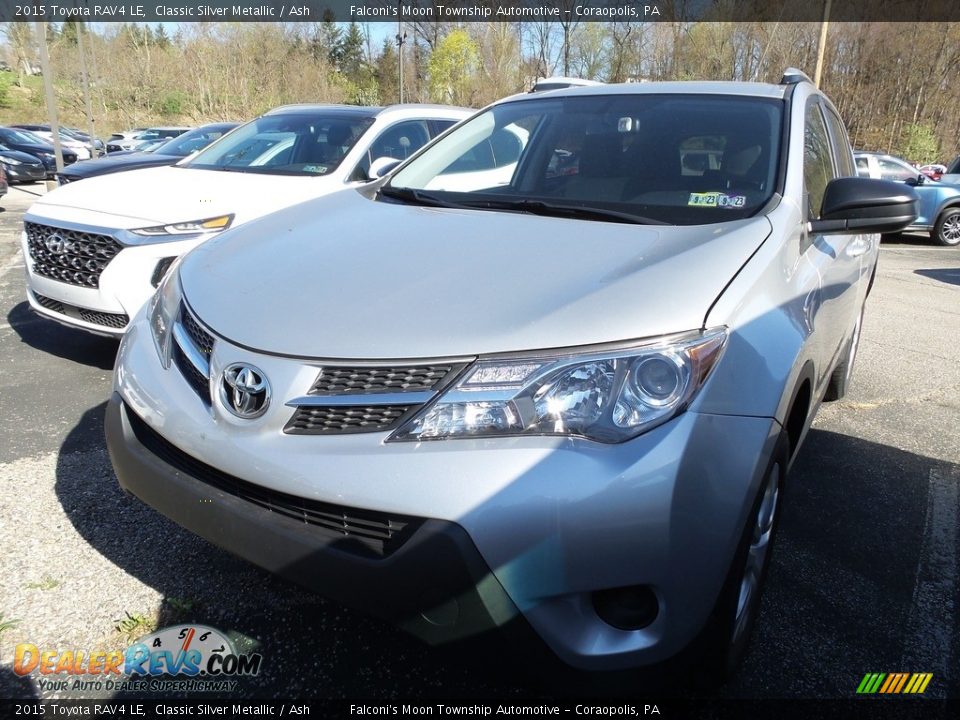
549 372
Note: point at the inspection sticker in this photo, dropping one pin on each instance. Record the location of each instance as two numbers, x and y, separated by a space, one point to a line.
716 199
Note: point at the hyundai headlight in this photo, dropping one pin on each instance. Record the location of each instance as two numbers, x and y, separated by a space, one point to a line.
12 161
608 397
193 227
164 307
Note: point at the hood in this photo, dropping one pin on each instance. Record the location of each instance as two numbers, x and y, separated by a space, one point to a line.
178 194
19 156
352 278
116 162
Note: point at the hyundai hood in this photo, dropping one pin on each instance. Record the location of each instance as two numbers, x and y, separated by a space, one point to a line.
165 195
348 277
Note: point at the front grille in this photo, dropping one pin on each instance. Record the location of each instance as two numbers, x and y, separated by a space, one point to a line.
114 320
202 340
195 379
117 321
351 380
70 256
357 531
332 419
49 303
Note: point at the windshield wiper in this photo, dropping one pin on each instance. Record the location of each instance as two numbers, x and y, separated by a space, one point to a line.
417 197
579 212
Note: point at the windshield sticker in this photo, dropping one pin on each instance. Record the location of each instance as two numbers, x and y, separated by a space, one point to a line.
319 169
716 199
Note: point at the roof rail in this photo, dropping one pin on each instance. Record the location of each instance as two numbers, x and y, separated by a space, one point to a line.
792 76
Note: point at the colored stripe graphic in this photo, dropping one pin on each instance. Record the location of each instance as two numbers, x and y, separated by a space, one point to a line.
894 683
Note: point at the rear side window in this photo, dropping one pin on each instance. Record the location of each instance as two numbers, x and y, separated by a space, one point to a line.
817 167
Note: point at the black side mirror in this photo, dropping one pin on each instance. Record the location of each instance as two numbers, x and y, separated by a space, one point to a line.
918 180
864 205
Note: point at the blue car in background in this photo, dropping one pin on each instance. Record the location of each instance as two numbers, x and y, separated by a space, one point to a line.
939 208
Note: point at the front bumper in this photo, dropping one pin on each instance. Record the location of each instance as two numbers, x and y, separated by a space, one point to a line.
23 173
435 585
552 520
124 287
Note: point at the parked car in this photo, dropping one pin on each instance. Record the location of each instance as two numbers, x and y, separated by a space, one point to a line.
21 166
26 142
169 152
127 229
82 151
939 210
568 401
952 174
95 144
123 140
146 135
934 172
3 181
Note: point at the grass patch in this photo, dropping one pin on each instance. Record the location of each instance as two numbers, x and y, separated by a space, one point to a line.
7 624
47 583
135 625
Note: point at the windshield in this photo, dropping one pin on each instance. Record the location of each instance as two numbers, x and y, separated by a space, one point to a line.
21 136
191 142
676 159
285 144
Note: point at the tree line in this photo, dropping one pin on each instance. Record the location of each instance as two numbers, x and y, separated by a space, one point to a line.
897 85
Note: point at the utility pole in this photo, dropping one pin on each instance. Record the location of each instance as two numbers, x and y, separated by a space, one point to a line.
822 45
86 89
401 39
48 91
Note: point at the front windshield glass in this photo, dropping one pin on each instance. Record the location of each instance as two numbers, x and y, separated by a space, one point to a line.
676 159
285 144
192 141
21 136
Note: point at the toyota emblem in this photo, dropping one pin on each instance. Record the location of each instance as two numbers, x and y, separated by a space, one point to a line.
244 391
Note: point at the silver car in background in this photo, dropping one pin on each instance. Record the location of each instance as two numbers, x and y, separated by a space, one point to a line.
550 373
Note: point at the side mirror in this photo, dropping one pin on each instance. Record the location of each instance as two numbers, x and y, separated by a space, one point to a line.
918 180
381 166
864 205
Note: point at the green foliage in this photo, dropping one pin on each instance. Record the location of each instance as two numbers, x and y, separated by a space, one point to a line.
6 80
452 67
174 103
919 144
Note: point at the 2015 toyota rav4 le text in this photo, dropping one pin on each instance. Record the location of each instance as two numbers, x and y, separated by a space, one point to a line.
553 369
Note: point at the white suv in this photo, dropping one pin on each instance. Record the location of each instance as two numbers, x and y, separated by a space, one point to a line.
96 251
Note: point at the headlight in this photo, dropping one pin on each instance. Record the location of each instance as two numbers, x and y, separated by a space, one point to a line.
193 227
609 397
12 161
164 307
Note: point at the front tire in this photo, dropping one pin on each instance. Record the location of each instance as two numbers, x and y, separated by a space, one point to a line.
946 231
724 642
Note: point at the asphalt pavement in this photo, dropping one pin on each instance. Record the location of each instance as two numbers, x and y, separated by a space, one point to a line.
864 577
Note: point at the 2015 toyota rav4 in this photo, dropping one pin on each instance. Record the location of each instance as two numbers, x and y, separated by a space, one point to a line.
552 369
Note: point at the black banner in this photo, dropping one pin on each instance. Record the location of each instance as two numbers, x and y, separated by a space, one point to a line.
560 11
873 708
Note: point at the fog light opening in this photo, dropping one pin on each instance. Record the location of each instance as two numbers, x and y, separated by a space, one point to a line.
627 608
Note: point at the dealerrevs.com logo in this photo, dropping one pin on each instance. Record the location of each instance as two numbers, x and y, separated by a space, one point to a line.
180 657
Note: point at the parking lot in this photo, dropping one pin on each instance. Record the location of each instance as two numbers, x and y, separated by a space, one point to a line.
864 578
